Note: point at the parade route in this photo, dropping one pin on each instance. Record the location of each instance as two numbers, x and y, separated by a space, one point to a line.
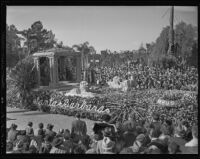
22 117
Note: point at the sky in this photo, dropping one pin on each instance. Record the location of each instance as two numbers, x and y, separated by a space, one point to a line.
105 27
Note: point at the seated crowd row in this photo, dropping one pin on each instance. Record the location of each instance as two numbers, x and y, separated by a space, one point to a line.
127 138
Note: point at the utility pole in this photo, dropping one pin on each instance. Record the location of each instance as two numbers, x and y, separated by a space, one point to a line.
171 33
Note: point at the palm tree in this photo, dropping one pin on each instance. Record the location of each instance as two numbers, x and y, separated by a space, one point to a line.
85 50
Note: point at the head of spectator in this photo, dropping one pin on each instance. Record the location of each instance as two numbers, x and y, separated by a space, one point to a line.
40 125
156 117
67 135
108 145
50 127
185 125
30 124
78 116
179 132
13 126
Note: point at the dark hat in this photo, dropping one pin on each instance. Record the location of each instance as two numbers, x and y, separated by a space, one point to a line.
57 142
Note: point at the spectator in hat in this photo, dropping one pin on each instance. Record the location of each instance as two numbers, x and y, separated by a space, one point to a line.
49 131
57 147
107 143
29 129
46 145
79 127
12 133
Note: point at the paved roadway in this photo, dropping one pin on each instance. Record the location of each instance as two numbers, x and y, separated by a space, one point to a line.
22 117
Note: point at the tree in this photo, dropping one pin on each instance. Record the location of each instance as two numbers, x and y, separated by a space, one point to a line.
185 35
12 46
85 50
38 38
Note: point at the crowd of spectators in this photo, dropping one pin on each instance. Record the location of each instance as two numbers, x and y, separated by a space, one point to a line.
130 137
145 77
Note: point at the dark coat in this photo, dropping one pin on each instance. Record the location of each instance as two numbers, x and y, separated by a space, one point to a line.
51 133
79 128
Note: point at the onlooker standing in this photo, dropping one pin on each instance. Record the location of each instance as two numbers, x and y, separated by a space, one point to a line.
79 128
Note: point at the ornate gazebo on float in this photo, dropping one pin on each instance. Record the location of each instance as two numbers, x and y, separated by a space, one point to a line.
56 58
